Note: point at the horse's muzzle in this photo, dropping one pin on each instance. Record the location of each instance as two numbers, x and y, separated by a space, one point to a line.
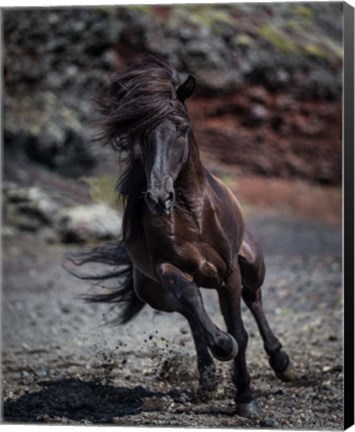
160 203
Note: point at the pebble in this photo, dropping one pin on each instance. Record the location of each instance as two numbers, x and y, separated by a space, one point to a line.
41 372
25 374
268 423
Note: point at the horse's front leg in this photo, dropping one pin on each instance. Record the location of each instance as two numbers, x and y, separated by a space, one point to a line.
222 345
159 298
207 370
230 299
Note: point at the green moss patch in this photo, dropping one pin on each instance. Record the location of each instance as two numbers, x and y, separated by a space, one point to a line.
102 189
278 39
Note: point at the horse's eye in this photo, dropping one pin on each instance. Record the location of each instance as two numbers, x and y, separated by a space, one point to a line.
184 131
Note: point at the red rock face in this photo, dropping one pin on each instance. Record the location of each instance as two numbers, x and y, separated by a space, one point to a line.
268 99
271 134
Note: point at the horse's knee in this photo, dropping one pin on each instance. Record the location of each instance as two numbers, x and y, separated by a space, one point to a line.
272 347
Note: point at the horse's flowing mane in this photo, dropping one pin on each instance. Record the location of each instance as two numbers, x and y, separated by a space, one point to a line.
134 103
137 100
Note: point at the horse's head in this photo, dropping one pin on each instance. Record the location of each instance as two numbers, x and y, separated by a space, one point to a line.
164 152
145 115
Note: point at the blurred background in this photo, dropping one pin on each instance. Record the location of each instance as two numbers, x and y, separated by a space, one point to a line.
267 112
267 115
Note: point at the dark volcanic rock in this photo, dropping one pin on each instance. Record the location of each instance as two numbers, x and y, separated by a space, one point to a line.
55 59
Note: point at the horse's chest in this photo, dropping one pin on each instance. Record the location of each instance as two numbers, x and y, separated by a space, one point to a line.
208 255
203 262
205 256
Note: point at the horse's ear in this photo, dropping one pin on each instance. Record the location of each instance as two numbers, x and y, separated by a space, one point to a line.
185 90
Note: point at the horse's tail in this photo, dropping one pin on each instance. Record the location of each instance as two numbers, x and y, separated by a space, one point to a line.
114 255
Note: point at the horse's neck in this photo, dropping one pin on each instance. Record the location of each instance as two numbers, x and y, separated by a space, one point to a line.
192 180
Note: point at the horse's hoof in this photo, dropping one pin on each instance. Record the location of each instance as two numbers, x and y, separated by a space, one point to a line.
249 410
222 356
287 375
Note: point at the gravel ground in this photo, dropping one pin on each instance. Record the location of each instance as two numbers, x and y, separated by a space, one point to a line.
61 365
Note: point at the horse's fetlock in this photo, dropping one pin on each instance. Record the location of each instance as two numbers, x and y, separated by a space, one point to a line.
244 394
272 349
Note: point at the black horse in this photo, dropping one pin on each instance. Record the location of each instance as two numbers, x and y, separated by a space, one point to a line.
182 227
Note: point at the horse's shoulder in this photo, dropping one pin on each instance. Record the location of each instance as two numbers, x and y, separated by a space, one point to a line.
223 193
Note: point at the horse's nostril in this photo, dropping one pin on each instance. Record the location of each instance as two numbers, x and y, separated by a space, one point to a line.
162 201
168 200
150 197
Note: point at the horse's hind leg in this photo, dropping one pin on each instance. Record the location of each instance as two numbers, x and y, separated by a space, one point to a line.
158 298
230 299
252 268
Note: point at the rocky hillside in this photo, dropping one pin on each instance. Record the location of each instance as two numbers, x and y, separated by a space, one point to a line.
269 81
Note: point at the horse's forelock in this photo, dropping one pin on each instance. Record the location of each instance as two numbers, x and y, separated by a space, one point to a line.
137 99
